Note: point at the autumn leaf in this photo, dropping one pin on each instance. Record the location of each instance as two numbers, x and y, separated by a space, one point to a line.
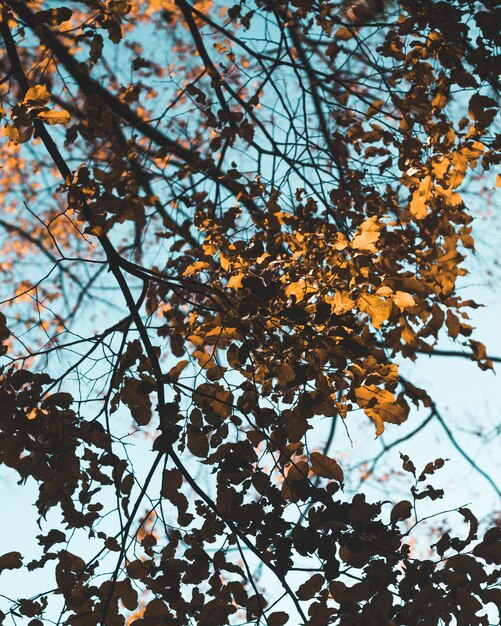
55 16
420 201
55 117
10 560
380 406
378 309
235 281
205 359
12 133
137 400
174 373
344 34
197 442
311 587
277 618
403 300
294 485
326 467
341 302
37 97
211 271
401 511
369 233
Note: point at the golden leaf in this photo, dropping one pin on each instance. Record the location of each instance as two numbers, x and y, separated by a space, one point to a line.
299 289
340 242
37 97
369 234
440 167
384 291
55 117
235 281
32 414
378 309
204 359
420 198
454 199
341 302
195 268
380 405
12 133
224 262
403 300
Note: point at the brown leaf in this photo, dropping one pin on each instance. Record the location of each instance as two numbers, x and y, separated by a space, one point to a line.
11 560
326 467
197 442
401 511
279 618
311 587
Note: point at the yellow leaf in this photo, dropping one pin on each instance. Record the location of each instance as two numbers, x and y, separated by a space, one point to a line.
12 133
440 100
384 291
195 268
420 198
403 300
37 96
380 405
408 335
283 217
235 281
378 309
341 303
224 262
209 248
204 359
369 234
299 289
375 107
498 180
32 414
340 242
55 117
454 199
440 167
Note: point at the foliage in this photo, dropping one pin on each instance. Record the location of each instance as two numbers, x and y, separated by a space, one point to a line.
228 223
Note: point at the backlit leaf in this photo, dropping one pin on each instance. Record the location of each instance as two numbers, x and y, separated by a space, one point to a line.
55 117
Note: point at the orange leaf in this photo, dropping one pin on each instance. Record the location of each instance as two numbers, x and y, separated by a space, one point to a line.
37 97
55 117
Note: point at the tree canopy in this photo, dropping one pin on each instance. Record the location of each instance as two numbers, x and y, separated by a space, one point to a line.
224 228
